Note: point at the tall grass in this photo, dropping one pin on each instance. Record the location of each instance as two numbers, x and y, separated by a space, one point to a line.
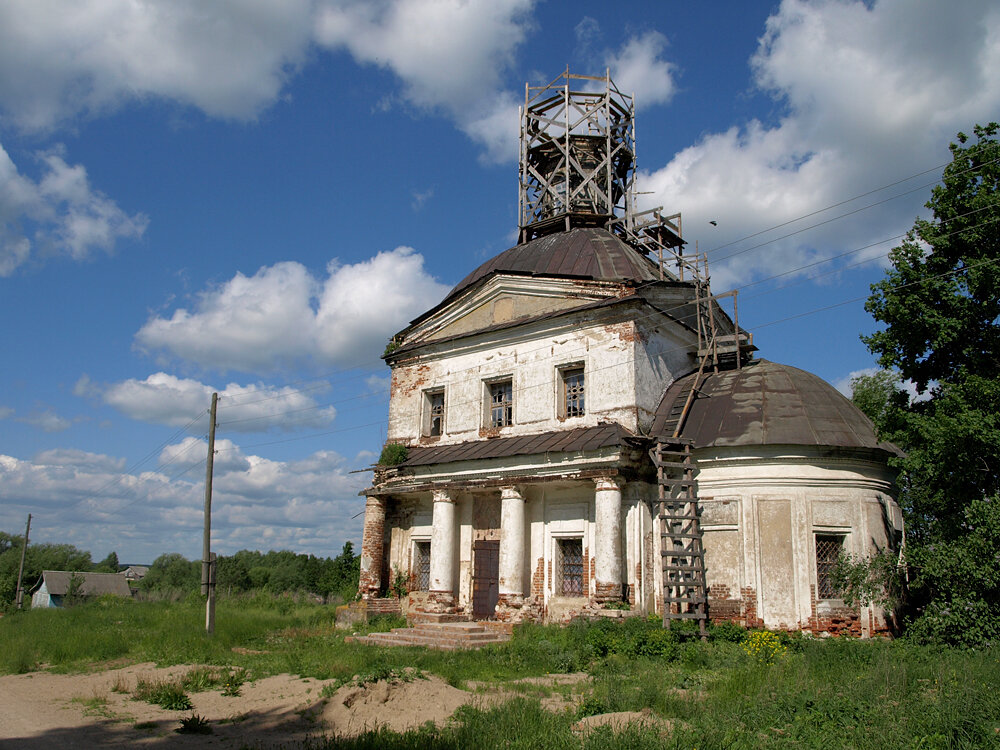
828 694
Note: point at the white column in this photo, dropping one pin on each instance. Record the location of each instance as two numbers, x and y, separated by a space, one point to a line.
443 544
608 541
511 542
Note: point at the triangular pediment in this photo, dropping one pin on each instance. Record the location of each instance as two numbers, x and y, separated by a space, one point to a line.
506 299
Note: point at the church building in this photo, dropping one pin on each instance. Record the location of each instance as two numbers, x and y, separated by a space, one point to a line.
585 430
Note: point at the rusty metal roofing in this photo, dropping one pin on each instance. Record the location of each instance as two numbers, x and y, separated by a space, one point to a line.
765 403
583 253
558 441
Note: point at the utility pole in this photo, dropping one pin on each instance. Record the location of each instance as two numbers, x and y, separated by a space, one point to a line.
207 558
20 571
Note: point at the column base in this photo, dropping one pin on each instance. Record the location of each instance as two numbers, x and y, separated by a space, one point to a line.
607 592
437 602
514 608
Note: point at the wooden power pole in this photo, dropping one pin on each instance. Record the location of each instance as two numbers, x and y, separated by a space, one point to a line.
19 597
207 558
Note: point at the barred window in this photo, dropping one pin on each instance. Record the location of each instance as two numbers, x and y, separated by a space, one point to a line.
422 565
501 403
570 567
828 549
572 393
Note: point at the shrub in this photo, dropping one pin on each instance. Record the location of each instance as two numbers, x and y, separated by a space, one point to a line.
727 631
393 454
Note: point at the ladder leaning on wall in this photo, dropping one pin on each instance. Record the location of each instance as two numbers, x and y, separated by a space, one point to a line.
685 594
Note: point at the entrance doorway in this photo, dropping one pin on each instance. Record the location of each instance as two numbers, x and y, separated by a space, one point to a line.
485 578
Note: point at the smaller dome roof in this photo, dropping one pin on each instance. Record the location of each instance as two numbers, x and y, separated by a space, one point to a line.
582 253
765 403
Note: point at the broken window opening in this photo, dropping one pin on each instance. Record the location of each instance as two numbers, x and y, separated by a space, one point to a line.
501 403
434 408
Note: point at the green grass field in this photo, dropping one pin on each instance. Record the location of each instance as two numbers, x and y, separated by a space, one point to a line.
763 692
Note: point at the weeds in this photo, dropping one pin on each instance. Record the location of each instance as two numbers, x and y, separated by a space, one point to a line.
168 695
233 682
194 724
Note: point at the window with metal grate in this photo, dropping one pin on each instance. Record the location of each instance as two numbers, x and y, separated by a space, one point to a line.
828 549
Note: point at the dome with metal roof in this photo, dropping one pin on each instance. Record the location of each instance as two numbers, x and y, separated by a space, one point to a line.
582 253
765 403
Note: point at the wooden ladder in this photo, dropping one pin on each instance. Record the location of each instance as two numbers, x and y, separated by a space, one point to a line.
684 593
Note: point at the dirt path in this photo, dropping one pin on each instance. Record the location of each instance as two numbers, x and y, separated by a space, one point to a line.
44 710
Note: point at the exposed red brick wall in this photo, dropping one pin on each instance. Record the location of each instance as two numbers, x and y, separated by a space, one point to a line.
749 597
383 606
538 580
589 571
833 620
373 548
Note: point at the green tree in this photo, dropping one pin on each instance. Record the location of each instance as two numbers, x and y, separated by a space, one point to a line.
172 572
108 565
939 305
940 301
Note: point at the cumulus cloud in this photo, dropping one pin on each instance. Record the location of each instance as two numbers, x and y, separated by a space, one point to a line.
282 315
448 55
869 97
59 214
182 402
638 68
81 498
61 58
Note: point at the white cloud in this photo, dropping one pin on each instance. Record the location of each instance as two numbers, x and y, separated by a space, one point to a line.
192 452
60 214
86 499
61 58
181 402
47 421
871 94
449 54
282 315
6 411
637 68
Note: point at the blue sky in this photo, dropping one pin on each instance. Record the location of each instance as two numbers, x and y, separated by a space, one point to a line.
250 197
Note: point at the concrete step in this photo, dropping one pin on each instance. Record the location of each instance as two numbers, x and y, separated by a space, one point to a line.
444 636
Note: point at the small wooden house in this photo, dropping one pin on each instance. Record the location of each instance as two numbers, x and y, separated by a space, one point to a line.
55 585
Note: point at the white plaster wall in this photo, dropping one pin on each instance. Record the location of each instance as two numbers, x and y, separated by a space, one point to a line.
663 353
532 358
760 515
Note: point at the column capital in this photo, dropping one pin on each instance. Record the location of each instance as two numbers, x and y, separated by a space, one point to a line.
442 496
512 492
608 483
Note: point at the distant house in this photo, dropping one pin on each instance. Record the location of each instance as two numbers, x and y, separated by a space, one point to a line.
134 572
54 585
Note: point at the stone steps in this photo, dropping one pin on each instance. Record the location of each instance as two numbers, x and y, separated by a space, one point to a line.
446 636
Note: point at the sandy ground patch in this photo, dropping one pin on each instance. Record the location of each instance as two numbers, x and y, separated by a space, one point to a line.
45 710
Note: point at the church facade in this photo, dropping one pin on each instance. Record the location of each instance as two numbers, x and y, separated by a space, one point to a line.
532 400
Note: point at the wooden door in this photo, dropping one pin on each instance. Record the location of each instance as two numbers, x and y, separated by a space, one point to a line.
485 578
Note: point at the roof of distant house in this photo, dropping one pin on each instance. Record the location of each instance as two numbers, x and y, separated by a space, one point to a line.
57 583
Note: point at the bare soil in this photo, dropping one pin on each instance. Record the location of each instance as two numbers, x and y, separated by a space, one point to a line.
46 710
